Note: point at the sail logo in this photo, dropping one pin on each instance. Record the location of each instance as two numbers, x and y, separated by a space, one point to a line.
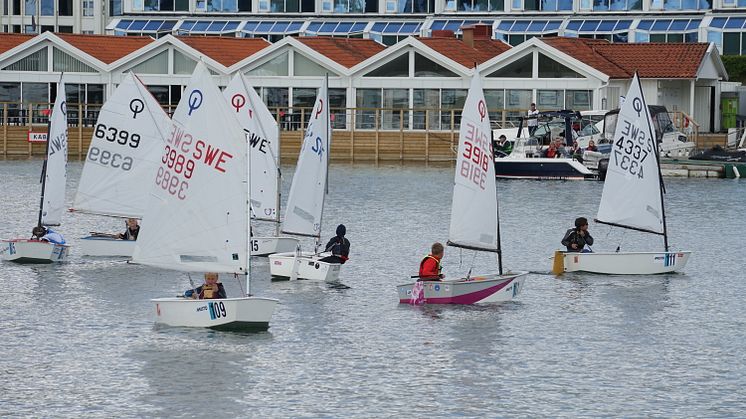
237 101
195 101
136 106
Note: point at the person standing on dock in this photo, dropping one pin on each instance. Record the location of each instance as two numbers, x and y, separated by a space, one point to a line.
532 122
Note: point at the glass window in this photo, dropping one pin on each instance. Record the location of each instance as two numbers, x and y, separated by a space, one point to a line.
521 68
65 7
154 65
451 104
276 97
549 99
10 92
95 94
30 8
183 64
47 8
731 43
426 103
495 104
65 62
480 5
16 8
398 67
160 93
338 105
115 8
549 68
303 101
36 61
367 102
416 6
517 101
277 66
391 117
35 93
424 67
579 100
305 67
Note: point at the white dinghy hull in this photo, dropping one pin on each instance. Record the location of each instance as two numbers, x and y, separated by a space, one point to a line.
475 290
265 246
106 247
307 266
233 314
33 251
623 263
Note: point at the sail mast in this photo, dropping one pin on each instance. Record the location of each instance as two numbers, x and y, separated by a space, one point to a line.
248 215
328 123
44 166
278 199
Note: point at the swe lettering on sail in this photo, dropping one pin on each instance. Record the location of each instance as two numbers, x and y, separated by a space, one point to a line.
632 148
258 142
476 156
58 143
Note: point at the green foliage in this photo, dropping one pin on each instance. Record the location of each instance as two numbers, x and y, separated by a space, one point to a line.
735 65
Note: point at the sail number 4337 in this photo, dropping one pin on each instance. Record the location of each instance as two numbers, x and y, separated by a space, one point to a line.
631 149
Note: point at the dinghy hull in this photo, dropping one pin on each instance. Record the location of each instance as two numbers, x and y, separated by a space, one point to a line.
33 251
475 290
307 266
106 246
622 263
234 314
265 246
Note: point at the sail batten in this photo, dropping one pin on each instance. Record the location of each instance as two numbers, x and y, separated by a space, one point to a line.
126 149
305 204
474 206
632 194
199 221
55 173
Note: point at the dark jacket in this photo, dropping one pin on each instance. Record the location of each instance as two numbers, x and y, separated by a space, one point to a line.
340 247
572 236
130 234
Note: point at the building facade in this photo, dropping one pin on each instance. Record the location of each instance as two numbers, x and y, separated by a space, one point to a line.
416 84
722 22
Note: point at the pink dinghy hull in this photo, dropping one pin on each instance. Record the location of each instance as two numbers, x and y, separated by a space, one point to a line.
477 289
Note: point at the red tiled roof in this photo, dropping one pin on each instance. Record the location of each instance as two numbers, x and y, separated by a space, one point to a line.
107 48
459 51
9 41
621 60
345 51
226 51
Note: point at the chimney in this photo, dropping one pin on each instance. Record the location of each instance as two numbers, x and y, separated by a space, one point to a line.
442 34
476 32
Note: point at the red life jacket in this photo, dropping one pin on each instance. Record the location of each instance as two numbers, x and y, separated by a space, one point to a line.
429 275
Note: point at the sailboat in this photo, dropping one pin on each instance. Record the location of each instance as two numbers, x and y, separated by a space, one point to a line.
632 198
263 134
197 215
125 151
52 203
305 205
475 221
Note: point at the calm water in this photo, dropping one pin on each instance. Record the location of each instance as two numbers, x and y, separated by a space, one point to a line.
78 339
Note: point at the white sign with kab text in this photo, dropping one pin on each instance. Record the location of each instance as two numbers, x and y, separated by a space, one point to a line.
37 137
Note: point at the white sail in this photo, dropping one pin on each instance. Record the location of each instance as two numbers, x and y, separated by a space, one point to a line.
474 206
196 218
125 151
262 133
306 200
632 192
56 166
